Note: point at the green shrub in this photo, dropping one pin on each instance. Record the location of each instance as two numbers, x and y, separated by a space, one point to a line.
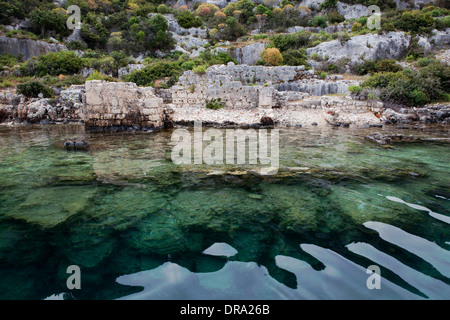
162 9
94 32
316 57
7 61
188 65
382 80
99 76
233 30
32 89
387 65
335 17
332 68
158 70
412 88
291 41
140 35
445 22
415 22
423 62
76 45
186 19
54 63
294 57
65 81
319 21
355 89
219 58
200 69
323 75
21 34
215 104
362 21
6 84
49 22
329 4
8 11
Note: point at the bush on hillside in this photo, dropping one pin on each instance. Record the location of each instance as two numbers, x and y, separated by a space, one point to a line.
32 89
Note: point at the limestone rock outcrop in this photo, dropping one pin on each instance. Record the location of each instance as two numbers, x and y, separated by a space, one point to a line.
369 47
121 105
249 54
352 11
27 47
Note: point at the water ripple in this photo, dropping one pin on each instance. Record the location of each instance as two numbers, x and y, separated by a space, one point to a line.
427 250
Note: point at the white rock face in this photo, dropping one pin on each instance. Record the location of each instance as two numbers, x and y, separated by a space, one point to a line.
312 4
250 53
27 47
130 68
440 38
444 56
368 47
317 87
76 36
352 11
36 110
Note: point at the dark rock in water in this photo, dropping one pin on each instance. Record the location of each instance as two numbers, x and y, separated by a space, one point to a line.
267 121
76 145
314 124
69 144
387 139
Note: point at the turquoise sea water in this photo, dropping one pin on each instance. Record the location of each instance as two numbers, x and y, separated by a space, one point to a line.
141 227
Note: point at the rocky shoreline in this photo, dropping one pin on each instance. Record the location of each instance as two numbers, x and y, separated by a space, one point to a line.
69 107
241 95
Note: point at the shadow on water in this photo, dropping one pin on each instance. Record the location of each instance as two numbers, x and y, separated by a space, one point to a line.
140 227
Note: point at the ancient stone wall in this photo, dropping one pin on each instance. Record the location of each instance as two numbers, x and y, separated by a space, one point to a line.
121 104
243 86
238 86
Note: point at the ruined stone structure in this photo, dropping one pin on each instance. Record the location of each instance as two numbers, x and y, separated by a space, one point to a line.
243 86
247 92
121 104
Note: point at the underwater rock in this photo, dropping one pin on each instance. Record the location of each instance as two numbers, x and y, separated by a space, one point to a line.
221 210
49 207
127 207
391 138
77 145
161 234
88 245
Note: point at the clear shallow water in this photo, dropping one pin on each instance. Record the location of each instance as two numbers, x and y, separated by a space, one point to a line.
140 227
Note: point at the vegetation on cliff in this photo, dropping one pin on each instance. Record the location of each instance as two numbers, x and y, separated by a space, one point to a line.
115 34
